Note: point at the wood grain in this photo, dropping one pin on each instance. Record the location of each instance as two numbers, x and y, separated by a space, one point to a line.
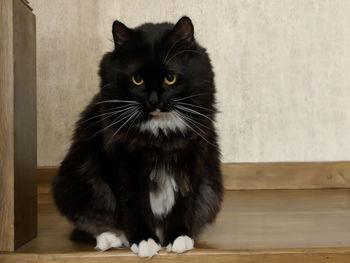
311 255
18 160
253 226
6 127
25 153
248 219
45 176
308 175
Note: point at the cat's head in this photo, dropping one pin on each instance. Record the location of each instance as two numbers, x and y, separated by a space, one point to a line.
157 77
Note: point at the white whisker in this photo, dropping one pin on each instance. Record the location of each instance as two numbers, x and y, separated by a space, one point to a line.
115 121
136 117
106 113
120 107
195 95
191 111
126 111
196 106
193 124
189 126
132 115
187 117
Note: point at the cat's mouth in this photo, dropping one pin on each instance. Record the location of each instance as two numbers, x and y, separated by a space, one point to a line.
158 114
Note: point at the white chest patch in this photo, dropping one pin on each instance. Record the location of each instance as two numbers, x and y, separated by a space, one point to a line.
165 121
162 199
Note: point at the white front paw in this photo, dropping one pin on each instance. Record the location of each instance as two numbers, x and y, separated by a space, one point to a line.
107 240
181 244
145 248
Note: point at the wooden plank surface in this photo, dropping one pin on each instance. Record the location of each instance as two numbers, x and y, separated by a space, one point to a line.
6 127
308 175
311 255
248 219
25 153
253 226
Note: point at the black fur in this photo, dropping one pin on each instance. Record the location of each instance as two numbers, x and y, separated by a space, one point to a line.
103 184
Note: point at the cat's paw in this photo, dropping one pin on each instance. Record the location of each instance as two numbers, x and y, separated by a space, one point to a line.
145 248
181 244
107 240
124 240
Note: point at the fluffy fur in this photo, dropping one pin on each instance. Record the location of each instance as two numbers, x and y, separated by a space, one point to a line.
143 168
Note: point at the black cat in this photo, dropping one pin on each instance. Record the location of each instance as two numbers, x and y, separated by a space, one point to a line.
143 169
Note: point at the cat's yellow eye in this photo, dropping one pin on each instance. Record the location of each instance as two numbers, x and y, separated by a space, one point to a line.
137 80
170 79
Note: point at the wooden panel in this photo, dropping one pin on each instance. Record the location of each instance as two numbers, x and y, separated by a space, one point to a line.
253 226
286 175
251 176
6 127
24 123
18 204
45 176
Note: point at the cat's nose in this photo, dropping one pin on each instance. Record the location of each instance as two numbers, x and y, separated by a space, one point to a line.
153 99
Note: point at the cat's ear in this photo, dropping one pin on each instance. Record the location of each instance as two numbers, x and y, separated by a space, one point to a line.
183 31
121 34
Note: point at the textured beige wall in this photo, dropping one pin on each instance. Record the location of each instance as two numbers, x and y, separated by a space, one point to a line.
282 71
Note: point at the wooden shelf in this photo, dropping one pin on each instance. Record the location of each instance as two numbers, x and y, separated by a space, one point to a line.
253 226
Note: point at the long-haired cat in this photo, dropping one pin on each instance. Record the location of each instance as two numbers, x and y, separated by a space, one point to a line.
143 170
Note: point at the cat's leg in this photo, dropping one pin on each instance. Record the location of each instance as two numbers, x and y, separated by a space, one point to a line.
177 230
206 206
90 206
103 231
191 215
143 241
